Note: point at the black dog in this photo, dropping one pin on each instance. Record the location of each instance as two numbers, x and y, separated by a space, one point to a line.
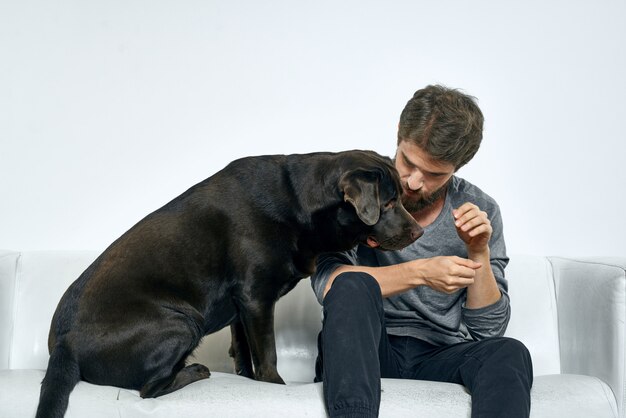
220 254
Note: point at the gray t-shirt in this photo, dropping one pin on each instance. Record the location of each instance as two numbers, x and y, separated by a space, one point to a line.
422 312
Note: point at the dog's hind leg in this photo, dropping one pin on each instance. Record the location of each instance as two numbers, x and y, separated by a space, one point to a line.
175 381
165 361
240 350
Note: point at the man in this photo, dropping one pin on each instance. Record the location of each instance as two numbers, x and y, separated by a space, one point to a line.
437 309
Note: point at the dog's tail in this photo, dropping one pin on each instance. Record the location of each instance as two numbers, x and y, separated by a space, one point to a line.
61 377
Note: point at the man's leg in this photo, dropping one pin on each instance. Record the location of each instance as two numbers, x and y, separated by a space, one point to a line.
496 371
354 348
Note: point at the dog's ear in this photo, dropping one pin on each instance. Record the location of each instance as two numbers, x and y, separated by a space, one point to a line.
360 188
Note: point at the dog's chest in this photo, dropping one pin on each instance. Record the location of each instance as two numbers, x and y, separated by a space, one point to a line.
303 265
287 287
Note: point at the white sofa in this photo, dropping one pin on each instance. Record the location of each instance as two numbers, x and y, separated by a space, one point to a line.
569 313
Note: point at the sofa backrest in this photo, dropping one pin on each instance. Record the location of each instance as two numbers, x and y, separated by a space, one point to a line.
534 318
31 284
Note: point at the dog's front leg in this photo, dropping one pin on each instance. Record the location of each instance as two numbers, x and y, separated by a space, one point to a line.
240 350
258 321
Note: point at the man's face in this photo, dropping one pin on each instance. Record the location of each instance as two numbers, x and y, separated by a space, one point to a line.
424 180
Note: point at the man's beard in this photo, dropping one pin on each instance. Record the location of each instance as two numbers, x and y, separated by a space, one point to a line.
418 203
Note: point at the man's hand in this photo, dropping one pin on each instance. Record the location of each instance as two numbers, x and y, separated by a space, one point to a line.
473 227
448 273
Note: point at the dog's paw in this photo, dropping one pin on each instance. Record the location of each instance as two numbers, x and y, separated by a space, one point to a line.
245 372
199 370
270 377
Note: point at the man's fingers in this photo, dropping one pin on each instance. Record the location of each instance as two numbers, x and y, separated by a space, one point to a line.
473 222
456 284
471 219
463 209
466 272
454 273
482 229
466 262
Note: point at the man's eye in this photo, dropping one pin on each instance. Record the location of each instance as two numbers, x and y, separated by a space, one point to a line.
435 175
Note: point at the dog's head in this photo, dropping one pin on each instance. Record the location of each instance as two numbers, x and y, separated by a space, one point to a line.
372 187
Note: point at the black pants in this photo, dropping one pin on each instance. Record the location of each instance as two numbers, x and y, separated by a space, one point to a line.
355 351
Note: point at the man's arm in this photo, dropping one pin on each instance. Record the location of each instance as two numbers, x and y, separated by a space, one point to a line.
446 274
487 309
474 228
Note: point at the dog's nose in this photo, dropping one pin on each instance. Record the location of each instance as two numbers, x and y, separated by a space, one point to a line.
416 232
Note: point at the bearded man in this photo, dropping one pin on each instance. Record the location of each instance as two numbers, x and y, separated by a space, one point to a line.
437 309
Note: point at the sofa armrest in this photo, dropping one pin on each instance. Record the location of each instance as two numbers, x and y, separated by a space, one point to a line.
591 307
8 269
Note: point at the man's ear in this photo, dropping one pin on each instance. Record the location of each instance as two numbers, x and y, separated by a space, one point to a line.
360 188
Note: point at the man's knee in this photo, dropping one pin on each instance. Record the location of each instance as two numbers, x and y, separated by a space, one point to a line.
354 284
501 361
515 348
354 291
516 355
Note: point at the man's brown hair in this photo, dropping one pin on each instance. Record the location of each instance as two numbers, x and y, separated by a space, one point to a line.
444 122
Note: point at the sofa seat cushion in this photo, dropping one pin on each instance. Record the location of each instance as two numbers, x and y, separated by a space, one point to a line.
19 396
573 396
228 395
234 396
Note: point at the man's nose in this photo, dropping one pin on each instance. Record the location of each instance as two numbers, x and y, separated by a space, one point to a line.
415 181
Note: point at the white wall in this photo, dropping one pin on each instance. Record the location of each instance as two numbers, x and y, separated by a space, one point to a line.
109 109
